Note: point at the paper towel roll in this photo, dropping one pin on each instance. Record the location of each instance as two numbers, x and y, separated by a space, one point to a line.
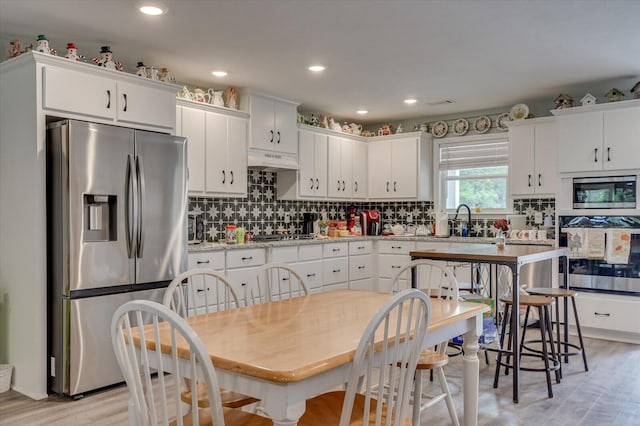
442 224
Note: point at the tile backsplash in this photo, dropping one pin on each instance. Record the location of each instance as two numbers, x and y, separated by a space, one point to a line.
262 214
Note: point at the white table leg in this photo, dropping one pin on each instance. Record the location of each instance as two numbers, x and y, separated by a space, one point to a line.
471 372
284 414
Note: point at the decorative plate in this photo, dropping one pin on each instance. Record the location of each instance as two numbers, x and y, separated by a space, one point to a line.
482 124
460 127
439 129
502 120
519 112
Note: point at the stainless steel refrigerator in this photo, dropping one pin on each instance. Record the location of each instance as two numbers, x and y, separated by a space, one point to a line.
116 231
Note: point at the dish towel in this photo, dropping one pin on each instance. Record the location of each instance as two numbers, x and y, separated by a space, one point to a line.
618 246
595 243
576 243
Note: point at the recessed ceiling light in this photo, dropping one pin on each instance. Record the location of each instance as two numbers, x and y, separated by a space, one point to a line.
410 101
153 8
362 111
316 68
220 73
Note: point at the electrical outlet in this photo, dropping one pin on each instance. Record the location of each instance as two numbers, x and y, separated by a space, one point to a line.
287 218
409 218
537 218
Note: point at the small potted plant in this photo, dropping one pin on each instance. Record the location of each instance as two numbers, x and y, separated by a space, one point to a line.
502 226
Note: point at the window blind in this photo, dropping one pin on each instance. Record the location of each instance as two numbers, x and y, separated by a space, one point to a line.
474 154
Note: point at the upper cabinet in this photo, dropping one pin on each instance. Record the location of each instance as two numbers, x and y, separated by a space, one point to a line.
340 171
273 124
400 166
599 137
85 91
533 160
216 148
312 155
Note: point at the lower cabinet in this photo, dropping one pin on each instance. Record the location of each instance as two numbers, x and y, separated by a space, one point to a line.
392 256
204 260
361 263
243 267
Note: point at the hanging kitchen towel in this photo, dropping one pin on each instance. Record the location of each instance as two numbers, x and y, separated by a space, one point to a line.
618 246
576 243
594 243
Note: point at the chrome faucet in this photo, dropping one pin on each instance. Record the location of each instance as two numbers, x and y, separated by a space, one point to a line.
469 220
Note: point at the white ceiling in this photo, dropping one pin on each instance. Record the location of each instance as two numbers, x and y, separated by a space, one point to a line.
482 54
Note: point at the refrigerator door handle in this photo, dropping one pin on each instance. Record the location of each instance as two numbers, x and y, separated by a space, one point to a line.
141 193
129 214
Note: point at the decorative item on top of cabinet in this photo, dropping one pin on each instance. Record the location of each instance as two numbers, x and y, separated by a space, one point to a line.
588 99
336 127
482 124
635 91
385 130
152 73
215 97
324 122
502 120
356 129
460 127
42 45
200 95
165 76
232 98
15 48
563 101
614 95
72 52
346 128
141 70
399 129
106 59
519 112
439 129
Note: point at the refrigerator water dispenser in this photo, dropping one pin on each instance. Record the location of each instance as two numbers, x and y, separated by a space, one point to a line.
100 217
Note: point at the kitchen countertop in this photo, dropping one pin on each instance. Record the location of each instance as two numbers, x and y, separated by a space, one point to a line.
205 247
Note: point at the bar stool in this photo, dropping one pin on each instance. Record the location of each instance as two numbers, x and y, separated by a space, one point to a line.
551 361
564 293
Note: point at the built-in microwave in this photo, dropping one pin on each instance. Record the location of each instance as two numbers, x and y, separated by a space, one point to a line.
605 192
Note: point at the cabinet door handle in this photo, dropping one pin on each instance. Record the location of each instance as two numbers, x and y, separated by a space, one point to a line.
361 267
278 137
271 140
343 185
336 270
608 153
124 95
336 249
311 275
311 180
108 99
231 173
224 176
338 185
387 186
595 155
200 262
396 247
539 179
360 247
285 278
600 314
395 267
247 258
529 181
317 183
395 184
355 186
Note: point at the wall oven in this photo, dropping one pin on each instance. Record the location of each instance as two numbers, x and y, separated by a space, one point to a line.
604 252
604 192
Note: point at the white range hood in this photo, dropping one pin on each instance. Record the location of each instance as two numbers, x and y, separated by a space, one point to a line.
268 160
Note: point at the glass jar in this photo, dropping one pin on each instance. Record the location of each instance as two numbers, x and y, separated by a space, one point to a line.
500 240
230 234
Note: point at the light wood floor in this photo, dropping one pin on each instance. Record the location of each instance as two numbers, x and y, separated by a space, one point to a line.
609 394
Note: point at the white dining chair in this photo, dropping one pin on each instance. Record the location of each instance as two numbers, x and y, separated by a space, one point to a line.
276 281
437 281
200 291
155 396
401 324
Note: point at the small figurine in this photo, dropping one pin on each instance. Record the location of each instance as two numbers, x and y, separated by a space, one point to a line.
232 98
300 119
141 70
346 128
313 120
72 52
15 48
563 101
614 95
335 126
588 99
399 129
106 59
386 129
635 91
42 44
215 97
324 122
165 76
152 73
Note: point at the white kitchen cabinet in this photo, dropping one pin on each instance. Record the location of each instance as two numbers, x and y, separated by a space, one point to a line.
273 124
359 170
312 157
533 160
216 148
361 265
207 260
340 167
80 91
392 256
399 167
599 137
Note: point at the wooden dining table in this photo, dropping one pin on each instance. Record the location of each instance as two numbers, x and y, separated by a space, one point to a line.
514 257
288 351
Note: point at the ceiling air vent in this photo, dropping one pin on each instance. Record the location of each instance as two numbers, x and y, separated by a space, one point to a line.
443 102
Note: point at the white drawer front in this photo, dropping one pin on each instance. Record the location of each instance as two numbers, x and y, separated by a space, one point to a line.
240 278
311 272
609 314
360 247
310 252
396 247
284 254
390 265
245 258
336 271
360 267
366 284
335 249
209 260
